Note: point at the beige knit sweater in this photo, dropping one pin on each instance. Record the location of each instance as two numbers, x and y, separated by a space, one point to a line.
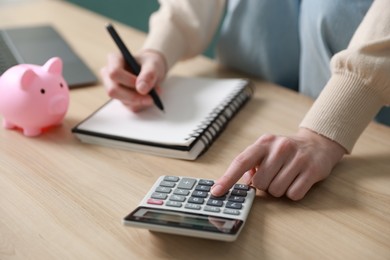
360 81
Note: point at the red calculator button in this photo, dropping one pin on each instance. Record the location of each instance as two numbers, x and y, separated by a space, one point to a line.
155 202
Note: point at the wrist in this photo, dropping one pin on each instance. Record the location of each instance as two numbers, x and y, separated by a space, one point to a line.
335 150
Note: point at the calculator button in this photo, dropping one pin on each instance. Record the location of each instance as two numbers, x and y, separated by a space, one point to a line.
181 192
199 194
216 203
241 193
212 209
157 195
155 201
192 206
206 182
241 187
203 188
173 204
186 183
233 205
231 211
163 189
171 178
196 200
236 199
218 198
168 184
177 198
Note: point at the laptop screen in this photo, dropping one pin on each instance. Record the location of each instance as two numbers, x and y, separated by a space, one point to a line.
36 45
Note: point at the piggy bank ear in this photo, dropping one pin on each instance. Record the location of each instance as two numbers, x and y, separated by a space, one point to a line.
27 78
54 65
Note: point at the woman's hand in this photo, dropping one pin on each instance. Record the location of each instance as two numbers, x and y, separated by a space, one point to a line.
283 165
130 89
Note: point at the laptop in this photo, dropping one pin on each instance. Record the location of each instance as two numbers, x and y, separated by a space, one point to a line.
37 44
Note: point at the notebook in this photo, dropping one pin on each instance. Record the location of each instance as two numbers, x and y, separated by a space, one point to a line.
197 110
37 44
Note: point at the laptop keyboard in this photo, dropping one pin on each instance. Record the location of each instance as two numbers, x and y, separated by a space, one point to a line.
7 59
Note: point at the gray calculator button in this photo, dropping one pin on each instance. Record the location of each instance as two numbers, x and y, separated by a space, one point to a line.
206 182
233 205
181 192
241 193
218 198
192 206
177 198
171 178
212 209
241 187
174 204
199 194
203 188
157 195
163 189
196 200
216 203
186 183
168 184
237 199
231 211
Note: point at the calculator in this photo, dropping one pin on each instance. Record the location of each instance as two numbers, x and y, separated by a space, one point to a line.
185 206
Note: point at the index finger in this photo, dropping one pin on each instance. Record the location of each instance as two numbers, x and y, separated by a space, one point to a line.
118 73
248 159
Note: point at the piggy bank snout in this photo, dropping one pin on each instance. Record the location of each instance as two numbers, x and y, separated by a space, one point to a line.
58 105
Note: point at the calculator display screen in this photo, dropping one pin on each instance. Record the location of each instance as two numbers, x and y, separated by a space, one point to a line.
185 220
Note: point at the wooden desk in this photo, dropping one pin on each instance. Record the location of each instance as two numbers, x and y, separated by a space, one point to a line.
60 199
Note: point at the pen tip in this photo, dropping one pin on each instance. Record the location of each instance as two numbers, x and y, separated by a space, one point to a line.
159 105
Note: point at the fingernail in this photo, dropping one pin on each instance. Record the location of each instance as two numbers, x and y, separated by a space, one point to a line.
142 87
247 177
217 190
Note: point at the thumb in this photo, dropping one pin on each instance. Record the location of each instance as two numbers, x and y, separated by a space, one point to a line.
146 80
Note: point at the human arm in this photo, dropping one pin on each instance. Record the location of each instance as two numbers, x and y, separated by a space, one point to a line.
183 29
178 30
360 82
283 165
358 88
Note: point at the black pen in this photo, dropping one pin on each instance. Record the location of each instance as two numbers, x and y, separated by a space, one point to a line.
132 63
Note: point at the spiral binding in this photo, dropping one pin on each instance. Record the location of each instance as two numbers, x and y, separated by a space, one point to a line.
214 124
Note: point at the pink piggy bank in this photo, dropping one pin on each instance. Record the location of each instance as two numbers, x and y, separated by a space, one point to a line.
33 97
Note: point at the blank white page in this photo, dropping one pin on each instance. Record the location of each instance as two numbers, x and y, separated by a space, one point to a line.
187 103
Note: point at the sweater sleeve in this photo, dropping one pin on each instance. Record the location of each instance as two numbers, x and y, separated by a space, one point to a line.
181 29
360 83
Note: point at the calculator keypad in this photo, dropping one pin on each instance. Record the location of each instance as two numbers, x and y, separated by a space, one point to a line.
194 194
